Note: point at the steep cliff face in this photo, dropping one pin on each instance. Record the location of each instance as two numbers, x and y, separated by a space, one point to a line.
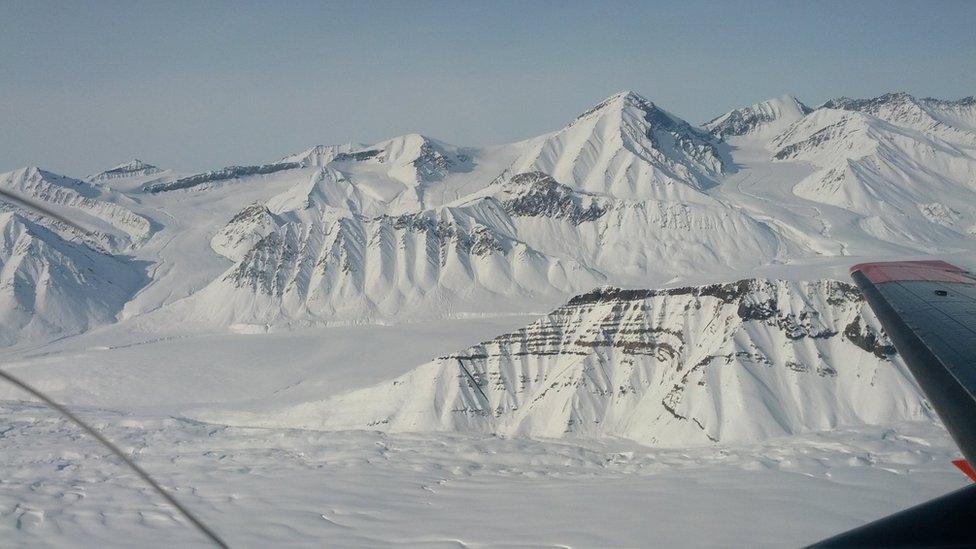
728 362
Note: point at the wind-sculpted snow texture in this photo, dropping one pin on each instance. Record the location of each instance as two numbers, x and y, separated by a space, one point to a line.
256 487
726 362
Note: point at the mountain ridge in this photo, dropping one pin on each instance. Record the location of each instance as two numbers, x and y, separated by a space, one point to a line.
685 366
626 193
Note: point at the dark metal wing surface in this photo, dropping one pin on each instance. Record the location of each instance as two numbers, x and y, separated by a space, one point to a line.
928 309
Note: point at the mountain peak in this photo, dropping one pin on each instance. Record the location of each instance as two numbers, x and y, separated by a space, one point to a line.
27 172
869 105
953 121
790 99
414 158
765 117
628 147
413 138
134 167
632 109
619 101
34 173
134 164
630 97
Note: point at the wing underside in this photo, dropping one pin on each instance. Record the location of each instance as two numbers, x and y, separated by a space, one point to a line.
928 309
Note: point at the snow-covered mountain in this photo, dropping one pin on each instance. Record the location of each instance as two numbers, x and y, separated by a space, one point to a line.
628 147
656 283
411 159
626 194
432 263
133 168
908 185
326 250
55 279
953 121
50 286
634 239
322 251
99 210
960 113
764 118
398 171
727 362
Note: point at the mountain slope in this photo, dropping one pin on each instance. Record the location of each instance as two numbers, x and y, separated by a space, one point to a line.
729 362
627 194
50 286
960 113
133 168
410 159
627 147
319 251
114 227
406 173
354 241
431 263
633 240
762 119
911 187
953 121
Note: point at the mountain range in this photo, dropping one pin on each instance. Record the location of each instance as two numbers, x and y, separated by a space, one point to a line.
778 196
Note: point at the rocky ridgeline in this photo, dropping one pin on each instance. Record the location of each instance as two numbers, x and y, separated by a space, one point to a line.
536 194
753 119
216 176
726 362
133 168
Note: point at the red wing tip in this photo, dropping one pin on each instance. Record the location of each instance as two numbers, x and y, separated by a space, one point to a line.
931 271
964 466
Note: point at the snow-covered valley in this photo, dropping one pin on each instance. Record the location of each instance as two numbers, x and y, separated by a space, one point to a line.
629 322
300 488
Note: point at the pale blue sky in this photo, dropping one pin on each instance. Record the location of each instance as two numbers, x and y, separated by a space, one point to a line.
200 85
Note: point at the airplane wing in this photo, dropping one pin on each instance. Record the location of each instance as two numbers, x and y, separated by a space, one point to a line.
928 309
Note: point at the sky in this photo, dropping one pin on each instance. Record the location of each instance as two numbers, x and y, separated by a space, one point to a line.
200 85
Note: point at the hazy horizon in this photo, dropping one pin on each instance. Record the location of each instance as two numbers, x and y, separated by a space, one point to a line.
195 87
